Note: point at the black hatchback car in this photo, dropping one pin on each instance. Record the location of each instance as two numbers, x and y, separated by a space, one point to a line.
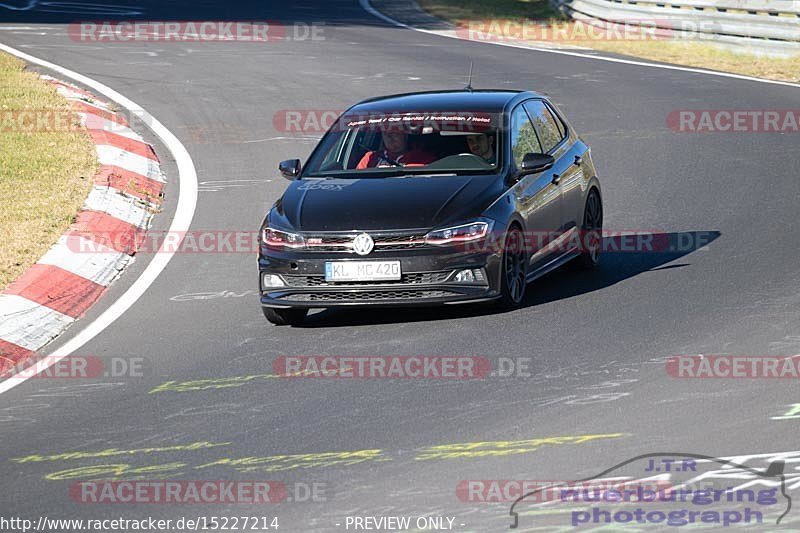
445 197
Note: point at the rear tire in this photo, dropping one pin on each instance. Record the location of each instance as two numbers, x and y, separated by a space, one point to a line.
591 239
284 317
513 270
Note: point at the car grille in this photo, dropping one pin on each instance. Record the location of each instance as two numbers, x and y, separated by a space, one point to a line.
331 296
420 278
399 242
388 241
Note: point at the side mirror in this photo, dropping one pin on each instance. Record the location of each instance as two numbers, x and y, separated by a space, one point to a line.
291 168
533 162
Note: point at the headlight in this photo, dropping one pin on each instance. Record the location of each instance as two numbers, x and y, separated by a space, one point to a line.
282 239
464 233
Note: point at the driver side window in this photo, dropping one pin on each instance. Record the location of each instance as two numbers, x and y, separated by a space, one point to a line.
523 136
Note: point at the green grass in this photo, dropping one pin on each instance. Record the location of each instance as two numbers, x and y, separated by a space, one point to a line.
516 10
45 176
702 55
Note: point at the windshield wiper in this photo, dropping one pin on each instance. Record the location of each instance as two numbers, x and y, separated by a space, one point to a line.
422 175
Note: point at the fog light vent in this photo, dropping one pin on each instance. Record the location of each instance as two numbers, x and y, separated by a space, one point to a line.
465 276
271 280
475 275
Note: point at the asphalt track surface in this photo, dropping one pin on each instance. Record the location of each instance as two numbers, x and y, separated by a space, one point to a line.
606 332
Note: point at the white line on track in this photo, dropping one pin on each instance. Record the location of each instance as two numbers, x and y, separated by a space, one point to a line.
374 12
187 202
27 7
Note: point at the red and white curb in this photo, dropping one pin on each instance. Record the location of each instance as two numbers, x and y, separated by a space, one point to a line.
57 290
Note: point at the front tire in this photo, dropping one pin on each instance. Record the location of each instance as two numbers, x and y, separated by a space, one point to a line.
284 317
513 270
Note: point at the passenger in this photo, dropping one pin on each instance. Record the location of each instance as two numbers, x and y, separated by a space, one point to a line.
394 153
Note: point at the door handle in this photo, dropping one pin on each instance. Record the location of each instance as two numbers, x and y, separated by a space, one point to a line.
556 179
578 160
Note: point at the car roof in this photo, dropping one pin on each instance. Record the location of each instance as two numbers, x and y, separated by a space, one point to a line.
485 100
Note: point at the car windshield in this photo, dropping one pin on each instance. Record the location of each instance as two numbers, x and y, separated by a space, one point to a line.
391 144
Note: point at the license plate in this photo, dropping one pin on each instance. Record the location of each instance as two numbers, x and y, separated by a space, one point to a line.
362 270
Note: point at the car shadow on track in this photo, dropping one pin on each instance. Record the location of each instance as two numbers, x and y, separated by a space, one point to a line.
618 262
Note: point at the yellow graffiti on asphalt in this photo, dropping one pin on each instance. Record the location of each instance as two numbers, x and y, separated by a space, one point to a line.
113 472
273 463
224 383
282 463
112 452
279 463
205 384
793 412
502 448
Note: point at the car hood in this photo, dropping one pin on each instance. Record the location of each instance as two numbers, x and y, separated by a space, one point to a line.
385 203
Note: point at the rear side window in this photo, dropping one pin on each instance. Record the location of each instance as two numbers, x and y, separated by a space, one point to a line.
559 122
548 127
523 137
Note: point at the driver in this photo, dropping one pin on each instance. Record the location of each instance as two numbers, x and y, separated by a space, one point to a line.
395 152
482 146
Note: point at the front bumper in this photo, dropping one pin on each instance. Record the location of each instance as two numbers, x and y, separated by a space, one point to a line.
427 279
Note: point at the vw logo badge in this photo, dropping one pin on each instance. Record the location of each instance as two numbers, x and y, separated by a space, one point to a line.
363 244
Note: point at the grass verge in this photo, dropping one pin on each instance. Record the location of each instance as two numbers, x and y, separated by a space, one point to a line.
46 167
692 54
